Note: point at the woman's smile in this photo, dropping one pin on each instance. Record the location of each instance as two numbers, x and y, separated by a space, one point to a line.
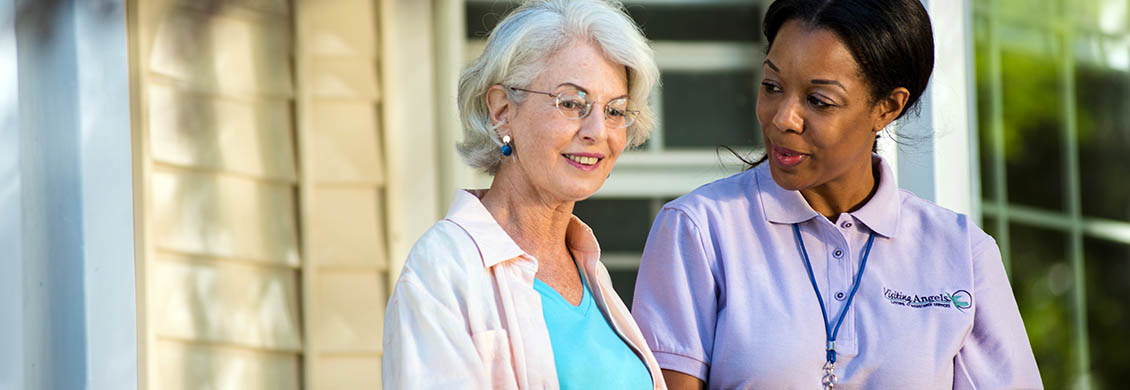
584 161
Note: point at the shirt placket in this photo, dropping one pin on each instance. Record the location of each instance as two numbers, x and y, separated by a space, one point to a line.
843 263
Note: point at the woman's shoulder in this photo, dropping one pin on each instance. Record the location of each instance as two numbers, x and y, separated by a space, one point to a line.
719 198
444 252
926 216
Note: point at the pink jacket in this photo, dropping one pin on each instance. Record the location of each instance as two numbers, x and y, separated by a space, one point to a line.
464 313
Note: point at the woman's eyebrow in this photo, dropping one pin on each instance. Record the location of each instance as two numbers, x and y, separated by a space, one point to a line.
772 66
582 89
568 84
829 82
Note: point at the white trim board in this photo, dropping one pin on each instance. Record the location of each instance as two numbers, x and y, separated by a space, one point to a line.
67 167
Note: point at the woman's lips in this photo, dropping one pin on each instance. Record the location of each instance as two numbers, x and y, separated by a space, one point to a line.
787 158
584 161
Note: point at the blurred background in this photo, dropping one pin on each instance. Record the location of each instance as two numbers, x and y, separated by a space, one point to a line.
219 194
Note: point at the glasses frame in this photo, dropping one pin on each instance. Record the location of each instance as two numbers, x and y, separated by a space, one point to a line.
629 120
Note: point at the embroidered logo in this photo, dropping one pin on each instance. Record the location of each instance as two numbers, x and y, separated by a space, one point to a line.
960 299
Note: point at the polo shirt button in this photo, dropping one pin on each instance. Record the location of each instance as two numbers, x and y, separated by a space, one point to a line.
840 296
838 253
846 225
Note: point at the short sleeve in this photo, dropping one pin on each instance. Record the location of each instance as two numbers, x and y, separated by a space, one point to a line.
676 296
996 354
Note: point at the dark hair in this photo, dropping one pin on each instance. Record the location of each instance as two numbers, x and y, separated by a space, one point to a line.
891 40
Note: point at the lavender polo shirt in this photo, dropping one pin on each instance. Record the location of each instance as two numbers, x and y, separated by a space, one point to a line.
723 294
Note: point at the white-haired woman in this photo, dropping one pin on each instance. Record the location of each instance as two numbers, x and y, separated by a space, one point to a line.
508 291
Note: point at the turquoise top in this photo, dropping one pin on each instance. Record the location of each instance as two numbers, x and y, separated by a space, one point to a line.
587 351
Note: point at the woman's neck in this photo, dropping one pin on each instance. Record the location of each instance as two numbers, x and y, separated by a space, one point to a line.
846 193
536 224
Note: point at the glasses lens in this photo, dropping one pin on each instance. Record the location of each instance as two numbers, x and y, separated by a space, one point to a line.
616 113
572 103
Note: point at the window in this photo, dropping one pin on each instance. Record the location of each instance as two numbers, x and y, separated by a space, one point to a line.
1053 78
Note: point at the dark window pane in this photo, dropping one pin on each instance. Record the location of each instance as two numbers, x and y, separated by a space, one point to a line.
718 22
989 225
1042 280
1104 141
621 225
483 16
686 22
624 282
1108 311
709 109
1033 119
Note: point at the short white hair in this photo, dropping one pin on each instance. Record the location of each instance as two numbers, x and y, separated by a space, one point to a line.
515 56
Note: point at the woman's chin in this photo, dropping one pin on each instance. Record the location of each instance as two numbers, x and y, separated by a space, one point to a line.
579 191
788 180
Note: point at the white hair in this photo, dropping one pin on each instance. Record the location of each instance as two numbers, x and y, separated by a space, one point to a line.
515 56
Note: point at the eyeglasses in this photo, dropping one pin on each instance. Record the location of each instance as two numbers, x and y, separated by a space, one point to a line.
574 104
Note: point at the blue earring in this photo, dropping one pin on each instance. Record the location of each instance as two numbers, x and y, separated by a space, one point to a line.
507 150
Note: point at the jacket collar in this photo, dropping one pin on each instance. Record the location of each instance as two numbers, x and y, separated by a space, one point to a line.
496 246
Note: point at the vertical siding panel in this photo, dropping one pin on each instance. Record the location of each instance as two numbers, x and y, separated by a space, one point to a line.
141 18
227 303
303 117
231 54
345 224
346 324
345 151
225 216
230 186
219 175
192 366
249 137
348 372
343 189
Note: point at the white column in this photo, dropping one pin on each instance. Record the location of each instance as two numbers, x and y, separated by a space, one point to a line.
940 161
105 174
66 231
11 237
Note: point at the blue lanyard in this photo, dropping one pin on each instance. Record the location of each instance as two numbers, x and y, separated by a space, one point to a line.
831 333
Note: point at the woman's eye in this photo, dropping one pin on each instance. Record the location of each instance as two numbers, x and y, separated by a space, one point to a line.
816 102
770 87
571 104
615 113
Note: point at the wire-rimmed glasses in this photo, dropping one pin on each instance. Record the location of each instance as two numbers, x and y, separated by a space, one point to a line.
573 103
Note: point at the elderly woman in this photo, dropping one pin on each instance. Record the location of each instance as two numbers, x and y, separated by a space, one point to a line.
814 268
508 290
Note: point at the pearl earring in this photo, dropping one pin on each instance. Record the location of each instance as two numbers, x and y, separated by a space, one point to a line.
507 150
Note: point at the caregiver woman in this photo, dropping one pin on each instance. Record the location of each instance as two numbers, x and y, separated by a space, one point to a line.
814 269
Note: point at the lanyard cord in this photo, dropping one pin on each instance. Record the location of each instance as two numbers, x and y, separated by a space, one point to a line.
831 334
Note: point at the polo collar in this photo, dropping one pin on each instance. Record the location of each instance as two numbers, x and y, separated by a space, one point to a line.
880 213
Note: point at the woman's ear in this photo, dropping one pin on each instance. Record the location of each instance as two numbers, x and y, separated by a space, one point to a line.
499 104
889 107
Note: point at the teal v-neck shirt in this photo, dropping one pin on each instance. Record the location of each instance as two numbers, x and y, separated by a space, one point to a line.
586 350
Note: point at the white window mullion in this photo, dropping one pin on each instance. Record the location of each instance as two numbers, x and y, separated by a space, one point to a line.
1074 204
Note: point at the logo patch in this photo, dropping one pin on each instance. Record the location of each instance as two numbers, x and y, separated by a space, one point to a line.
961 299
